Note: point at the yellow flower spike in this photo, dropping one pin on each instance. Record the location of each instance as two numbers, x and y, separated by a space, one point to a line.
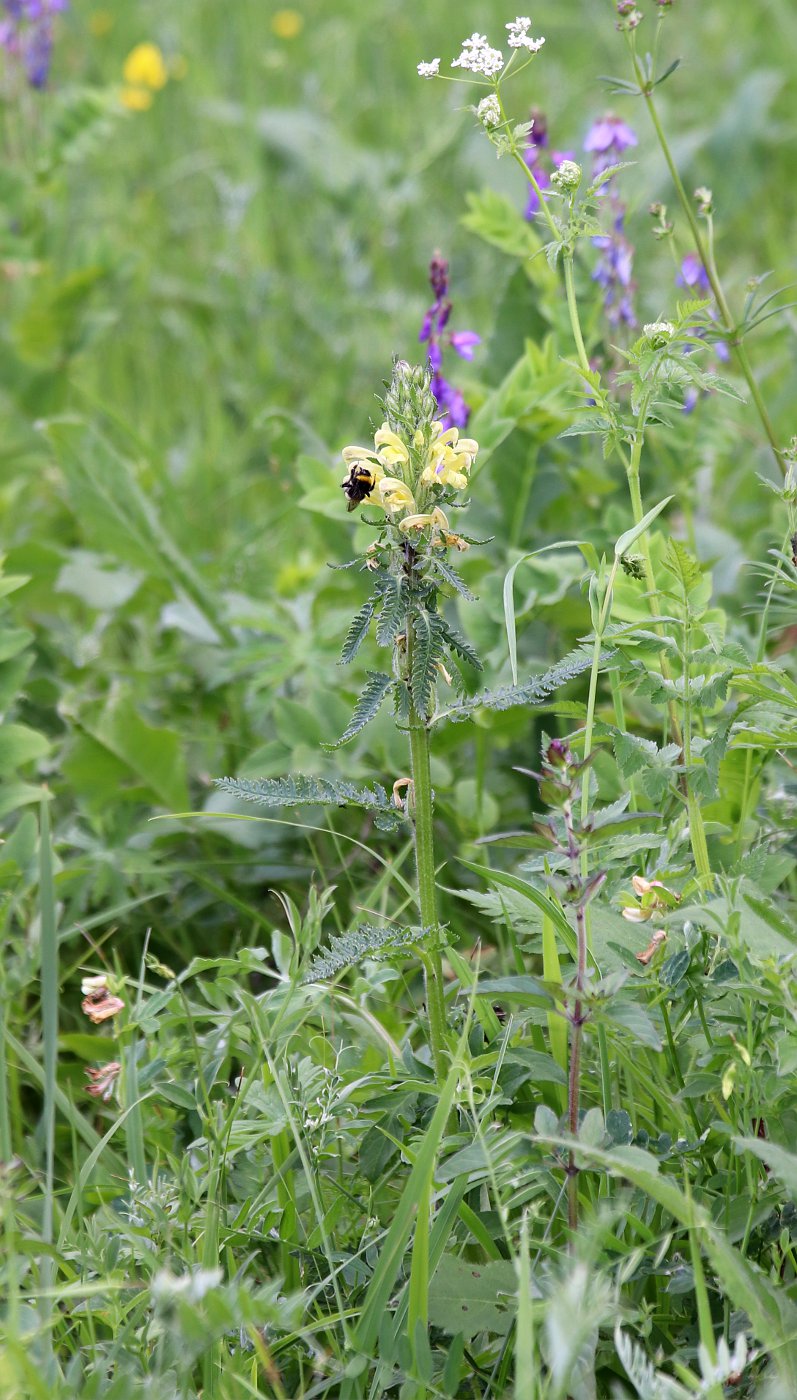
144 67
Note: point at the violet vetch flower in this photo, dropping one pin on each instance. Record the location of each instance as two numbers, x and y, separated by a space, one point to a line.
454 411
26 34
693 275
606 140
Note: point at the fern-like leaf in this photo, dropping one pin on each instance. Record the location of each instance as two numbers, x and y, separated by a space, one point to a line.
392 612
459 645
451 576
367 706
425 654
300 791
358 631
367 941
532 692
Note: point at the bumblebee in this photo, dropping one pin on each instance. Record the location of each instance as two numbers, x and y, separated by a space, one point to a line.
358 484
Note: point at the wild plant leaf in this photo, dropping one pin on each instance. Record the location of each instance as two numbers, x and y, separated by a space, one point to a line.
425 655
379 941
532 692
468 1298
458 644
449 575
392 611
367 706
300 791
358 631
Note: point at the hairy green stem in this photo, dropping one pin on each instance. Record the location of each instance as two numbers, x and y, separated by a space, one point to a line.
427 897
572 307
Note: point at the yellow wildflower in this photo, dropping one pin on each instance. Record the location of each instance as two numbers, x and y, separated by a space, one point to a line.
436 519
395 495
287 24
144 73
392 451
450 459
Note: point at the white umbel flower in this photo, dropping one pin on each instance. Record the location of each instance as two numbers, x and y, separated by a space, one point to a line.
567 176
519 37
429 70
479 57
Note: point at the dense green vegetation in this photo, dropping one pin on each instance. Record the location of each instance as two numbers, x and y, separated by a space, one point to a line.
481 1084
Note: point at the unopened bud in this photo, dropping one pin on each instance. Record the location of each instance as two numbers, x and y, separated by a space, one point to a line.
567 176
489 111
705 200
658 333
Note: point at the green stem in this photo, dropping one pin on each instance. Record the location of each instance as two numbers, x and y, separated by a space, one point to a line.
427 897
572 307
707 259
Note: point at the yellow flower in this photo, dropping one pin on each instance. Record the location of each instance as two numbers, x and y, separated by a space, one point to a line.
145 67
436 519
392 451
450 459
287 24
395 495
144 72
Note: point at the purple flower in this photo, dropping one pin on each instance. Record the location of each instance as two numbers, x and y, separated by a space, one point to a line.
27 34
464 343
454 411
606 140
693 274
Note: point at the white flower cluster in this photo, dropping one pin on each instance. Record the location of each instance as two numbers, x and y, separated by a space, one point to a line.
429 70
479 57
519 37
489 111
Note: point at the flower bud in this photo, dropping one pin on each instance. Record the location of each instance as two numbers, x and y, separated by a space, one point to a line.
658 333
567 176
705 200
489 111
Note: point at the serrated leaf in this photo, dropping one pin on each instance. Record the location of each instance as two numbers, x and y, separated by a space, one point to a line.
532 692
450 575
367 941
298 791
367 706
425 653
358 631
391 614
459 644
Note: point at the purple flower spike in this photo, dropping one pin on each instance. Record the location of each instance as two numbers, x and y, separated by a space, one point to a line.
454 412
27 34
606 140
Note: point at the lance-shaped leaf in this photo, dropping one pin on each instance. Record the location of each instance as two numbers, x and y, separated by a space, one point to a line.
533 692
358 631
